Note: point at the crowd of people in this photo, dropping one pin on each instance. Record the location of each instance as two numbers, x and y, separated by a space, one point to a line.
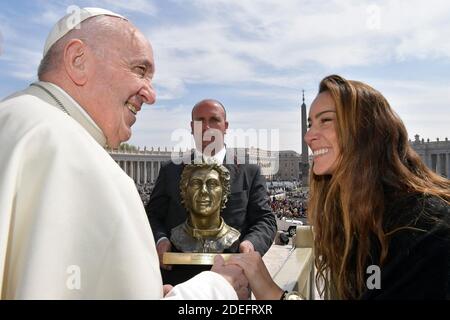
145 190
293 205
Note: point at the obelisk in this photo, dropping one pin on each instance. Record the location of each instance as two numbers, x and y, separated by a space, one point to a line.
304 160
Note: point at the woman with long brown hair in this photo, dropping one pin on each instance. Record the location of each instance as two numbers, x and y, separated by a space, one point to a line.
372 202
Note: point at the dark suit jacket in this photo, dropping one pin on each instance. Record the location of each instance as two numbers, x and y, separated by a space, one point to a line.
247 208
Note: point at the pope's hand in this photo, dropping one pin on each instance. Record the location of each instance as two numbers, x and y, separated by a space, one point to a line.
166 289
234 275
163 246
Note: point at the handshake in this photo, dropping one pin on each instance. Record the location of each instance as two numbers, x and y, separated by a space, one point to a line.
246 272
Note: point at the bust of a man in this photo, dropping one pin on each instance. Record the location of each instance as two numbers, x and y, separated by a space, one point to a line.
204 192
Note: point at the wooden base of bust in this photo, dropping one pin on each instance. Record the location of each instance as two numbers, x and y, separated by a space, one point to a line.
193 258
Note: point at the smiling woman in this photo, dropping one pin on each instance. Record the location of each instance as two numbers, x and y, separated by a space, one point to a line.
373 204
372 200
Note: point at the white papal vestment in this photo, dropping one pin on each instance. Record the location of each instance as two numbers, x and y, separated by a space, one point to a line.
72 224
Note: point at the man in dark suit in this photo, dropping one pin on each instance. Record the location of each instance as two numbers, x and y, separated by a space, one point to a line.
247 209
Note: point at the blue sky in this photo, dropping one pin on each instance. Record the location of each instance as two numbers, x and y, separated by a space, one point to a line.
257 56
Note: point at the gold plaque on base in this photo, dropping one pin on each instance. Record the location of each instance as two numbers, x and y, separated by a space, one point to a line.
192 258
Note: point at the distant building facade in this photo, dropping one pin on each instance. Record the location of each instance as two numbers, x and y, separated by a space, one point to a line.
435 154
143 165
268 161
290 163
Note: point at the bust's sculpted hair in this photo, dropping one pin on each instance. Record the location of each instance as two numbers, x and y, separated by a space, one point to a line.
224 176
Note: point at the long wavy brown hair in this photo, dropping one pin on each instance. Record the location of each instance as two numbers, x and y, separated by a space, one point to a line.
346 208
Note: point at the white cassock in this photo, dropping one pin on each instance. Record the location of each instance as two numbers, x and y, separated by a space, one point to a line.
72 224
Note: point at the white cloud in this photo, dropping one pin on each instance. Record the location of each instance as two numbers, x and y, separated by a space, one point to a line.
21 63
235 40
268 50
1 42
272 43
6 31
155 125
52 12
145 7
49 16
422 106
194 54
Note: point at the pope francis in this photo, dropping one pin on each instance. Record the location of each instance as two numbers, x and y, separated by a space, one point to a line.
72 225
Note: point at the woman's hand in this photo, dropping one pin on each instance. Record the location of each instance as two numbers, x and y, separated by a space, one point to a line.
261 283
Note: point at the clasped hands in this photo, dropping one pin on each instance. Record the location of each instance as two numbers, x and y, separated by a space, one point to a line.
244 272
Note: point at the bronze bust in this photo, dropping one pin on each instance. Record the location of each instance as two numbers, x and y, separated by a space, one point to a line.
204 192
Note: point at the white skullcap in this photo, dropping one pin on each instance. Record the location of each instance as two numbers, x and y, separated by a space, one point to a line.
72 21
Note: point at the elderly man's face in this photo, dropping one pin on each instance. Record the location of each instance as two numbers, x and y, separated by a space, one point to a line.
204 192
122 83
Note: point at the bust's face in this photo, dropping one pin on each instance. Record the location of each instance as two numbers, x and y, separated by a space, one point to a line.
204 192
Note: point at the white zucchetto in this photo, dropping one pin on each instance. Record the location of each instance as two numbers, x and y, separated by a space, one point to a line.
72 21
